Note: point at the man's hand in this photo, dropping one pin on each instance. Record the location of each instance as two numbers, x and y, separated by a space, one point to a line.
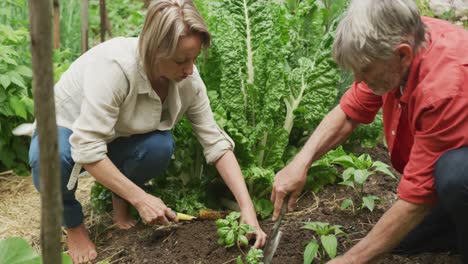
291 179
340 260
153 210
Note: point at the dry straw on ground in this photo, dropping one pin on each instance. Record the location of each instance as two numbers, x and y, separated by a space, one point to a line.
20 207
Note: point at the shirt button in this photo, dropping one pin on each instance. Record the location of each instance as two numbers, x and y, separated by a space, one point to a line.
393 132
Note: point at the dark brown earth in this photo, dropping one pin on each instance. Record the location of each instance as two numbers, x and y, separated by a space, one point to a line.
196 242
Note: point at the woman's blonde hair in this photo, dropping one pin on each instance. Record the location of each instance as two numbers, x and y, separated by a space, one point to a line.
165 22
371 30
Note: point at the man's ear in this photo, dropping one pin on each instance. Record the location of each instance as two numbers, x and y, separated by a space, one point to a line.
405 53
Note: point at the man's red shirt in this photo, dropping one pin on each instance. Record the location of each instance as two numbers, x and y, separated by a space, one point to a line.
429 118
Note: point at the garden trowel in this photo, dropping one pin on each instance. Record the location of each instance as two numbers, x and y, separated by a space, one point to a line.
275 235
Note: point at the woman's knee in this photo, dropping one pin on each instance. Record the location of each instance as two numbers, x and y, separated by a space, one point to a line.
64 153
158 147
451 176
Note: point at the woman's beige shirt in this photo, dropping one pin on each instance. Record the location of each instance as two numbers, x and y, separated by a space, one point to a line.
105 94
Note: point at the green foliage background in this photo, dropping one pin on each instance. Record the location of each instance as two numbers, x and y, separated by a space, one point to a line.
270 79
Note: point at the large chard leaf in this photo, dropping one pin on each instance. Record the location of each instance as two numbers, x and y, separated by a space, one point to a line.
250 86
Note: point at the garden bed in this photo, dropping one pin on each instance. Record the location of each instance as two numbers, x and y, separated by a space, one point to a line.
196 241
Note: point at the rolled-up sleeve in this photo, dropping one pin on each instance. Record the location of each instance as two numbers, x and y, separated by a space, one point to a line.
104 87
360 104
214 140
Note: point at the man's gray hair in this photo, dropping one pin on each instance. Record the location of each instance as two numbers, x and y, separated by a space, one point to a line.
371 30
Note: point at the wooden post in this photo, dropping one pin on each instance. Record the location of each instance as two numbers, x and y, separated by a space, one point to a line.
40 16
84 26
56 24
102 11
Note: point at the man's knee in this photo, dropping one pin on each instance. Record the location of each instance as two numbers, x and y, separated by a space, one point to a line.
451 176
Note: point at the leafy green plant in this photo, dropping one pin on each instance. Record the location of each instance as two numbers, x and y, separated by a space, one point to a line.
231 232
17 251
254 256
357 171
16 105
324 244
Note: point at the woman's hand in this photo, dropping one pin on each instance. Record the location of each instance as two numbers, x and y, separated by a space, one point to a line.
153 210
260 236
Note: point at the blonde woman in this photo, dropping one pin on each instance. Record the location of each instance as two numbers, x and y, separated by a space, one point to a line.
116 105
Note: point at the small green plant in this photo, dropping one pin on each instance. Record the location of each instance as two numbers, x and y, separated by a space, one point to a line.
357 171
230 231
16 250
254 256
325 244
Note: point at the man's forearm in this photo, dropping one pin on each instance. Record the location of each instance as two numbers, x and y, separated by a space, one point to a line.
394 225
333 130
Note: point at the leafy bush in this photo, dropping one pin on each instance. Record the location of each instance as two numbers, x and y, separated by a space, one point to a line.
16 105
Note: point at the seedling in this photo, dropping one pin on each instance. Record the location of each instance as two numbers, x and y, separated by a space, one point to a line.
327 243
230 232
356 172
254 256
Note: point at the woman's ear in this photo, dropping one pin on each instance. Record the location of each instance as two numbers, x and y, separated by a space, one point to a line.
405 52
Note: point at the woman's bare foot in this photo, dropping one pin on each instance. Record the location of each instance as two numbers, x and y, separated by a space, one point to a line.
80 248
121 213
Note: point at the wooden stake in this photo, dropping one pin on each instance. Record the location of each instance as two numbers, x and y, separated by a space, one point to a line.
56 24
40 17
84 26
102 11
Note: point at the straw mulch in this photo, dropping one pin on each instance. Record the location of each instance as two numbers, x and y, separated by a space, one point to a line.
20 207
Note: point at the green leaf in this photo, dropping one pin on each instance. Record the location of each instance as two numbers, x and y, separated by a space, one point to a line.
347 183
348 173
223 231
310 251
5 80
243 239
18 107
382 167
66 259
229 239
360 176
17 79
221 222
345 161
346 203
25 71
365 160
17 251
3 96
369 202
330 244
239 260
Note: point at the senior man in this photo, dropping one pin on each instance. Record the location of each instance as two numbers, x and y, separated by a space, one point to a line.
415 69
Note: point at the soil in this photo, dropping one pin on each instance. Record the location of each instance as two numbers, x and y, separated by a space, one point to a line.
196 241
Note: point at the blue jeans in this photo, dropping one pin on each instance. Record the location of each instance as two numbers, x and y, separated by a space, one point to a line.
138 157
446 227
